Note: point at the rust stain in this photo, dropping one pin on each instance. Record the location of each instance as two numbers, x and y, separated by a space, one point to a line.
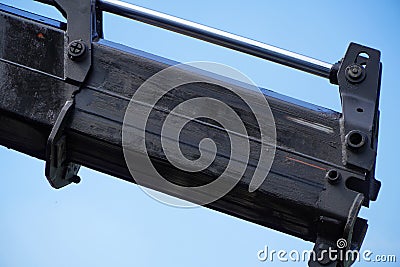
306 163
40 35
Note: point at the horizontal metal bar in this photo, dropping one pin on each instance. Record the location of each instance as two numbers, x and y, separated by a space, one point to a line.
218 37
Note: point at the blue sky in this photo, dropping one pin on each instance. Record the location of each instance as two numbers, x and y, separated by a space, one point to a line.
104 221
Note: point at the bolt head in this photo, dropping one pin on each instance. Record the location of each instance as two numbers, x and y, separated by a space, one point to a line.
76 50
355 73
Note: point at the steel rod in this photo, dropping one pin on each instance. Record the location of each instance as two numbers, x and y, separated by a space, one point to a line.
218 37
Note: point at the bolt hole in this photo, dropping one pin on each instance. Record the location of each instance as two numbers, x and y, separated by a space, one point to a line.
360 110
332 174
355 139
362 59
364 55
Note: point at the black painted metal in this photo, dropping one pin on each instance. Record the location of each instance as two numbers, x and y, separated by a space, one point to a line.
59 171
359 86
298 197
83 27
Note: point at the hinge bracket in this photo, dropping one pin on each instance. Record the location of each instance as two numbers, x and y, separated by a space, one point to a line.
358 75
84 24
59 171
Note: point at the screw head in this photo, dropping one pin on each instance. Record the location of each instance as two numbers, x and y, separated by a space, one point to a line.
76 49
355 73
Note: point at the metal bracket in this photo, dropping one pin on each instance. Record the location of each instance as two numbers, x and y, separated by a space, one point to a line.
59 171
339 251
358 75
359 86
84 24
338 220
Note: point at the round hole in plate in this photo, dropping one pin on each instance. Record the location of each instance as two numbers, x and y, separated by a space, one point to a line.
355 139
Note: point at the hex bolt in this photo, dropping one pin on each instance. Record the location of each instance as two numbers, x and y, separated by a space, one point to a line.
76 50
355 139
355 73
333 176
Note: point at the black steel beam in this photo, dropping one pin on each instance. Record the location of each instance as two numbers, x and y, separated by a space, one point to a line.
296 198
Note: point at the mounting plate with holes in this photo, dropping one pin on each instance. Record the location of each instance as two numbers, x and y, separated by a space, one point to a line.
358 77
82 28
